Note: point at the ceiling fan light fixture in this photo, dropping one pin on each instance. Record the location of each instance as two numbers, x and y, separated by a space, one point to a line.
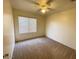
43 11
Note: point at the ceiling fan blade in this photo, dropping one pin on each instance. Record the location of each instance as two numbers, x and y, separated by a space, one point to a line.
49 2
50 9
31 1
73 0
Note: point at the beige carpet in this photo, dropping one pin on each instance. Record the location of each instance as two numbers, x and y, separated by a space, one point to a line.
42 48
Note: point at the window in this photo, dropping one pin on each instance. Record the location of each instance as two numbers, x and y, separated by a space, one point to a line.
27 25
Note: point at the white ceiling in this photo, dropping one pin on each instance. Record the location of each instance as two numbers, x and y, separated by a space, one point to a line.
57 5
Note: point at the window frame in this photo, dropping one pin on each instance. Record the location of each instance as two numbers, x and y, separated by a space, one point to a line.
28 31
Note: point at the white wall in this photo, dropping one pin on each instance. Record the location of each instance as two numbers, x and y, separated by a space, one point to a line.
61 27
8 29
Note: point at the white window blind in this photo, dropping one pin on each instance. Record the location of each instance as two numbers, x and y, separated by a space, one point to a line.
27 25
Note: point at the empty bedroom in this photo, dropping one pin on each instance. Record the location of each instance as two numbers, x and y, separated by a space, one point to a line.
39 29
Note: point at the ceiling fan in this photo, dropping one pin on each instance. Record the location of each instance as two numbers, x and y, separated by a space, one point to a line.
44 5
